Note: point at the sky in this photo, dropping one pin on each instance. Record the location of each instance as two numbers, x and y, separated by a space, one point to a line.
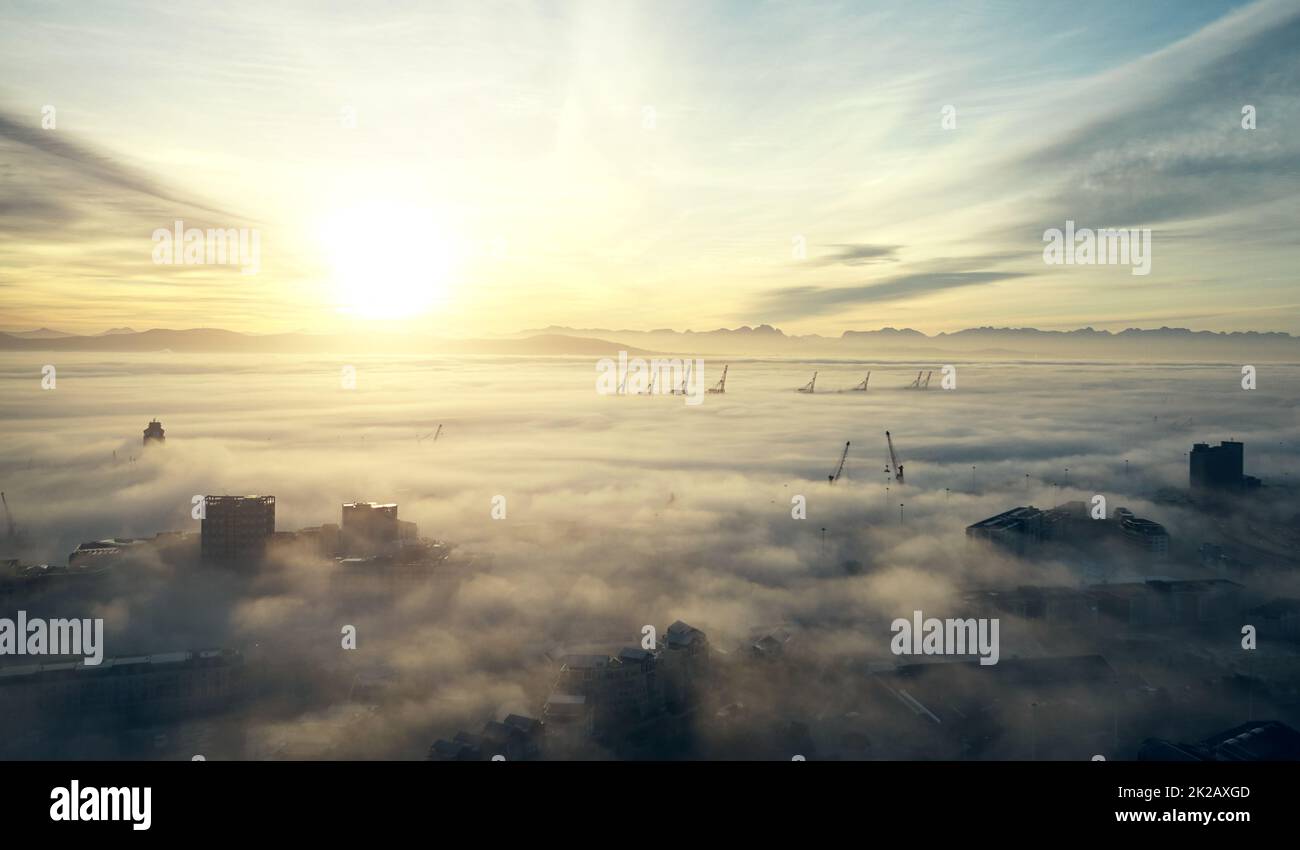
481 168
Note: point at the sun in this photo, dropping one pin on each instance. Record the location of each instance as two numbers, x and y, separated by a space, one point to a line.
388 260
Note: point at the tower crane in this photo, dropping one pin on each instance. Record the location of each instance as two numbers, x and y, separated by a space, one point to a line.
840 469
862 387
722 384
893 459
686 378
654 378
12 532
926 385
810 386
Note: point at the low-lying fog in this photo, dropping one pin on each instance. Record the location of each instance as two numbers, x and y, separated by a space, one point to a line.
620 510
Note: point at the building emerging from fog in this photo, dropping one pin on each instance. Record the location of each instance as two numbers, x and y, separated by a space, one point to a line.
1023 529
614 699
370 528
136 689
1257 740
1220 467
154 433
1016 529
236 529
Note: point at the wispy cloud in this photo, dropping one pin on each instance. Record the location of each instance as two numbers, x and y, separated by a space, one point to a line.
801 301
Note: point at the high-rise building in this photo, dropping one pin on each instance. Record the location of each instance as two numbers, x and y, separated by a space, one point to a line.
154 433
236 529
370 528
1217 467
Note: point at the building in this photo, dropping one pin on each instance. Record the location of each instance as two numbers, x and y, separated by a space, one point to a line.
142 688
1064 522
1277 619
606 695
1143 534
684 663
1059 606
1162 602
1220 467
517 738
1063 709
1016 529
324 540
370 528
412 565
154 433
615 697
1023 529
1257 740
236 529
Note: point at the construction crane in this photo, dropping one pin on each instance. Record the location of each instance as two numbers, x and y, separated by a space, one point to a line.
840 469
722 384
654 378
686 378
916 382
810 386
12 533
926 385
862 387
893 459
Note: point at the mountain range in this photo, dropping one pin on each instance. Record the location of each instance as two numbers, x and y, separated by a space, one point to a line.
1087 343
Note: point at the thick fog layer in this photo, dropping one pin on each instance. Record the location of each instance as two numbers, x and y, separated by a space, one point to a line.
620 511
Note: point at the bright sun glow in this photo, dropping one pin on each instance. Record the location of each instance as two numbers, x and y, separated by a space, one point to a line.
388 260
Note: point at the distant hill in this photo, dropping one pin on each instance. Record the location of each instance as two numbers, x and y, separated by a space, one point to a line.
1086 343
1133 344
40 333
217 340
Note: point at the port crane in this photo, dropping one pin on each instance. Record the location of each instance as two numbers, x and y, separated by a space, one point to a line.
862 387
893 460
839 470
12 533
810 386
722 384
920 383
686 378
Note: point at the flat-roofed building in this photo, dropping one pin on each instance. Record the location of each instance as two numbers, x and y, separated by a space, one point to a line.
236 529
1143 534
141 688
1016 529
370 528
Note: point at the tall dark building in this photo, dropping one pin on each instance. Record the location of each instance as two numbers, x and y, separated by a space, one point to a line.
1217 467
370 528
154 433
236 529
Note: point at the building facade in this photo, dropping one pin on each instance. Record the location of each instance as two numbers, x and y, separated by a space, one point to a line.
236 529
